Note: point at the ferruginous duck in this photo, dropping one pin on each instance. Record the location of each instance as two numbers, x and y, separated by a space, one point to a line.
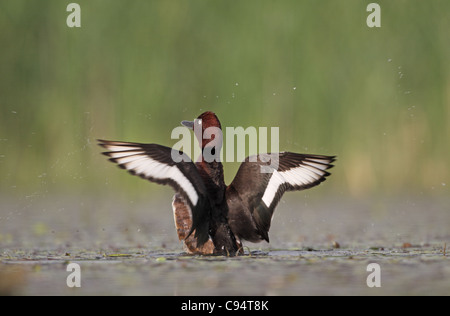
211 217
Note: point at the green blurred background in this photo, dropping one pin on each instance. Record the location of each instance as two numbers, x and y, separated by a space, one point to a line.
377 98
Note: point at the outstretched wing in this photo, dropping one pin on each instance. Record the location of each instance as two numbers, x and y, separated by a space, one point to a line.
155 163
292 172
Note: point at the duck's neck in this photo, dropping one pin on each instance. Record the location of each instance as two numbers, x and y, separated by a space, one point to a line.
211 169
212 175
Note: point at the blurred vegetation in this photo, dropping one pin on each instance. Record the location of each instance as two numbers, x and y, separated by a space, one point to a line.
377 98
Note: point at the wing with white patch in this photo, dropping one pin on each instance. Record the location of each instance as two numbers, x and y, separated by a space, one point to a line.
155 163
293 172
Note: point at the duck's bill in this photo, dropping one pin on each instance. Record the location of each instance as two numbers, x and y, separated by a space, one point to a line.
188 124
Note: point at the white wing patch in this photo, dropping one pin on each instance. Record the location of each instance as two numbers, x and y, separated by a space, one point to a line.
275 181
307 173
134 159
124 147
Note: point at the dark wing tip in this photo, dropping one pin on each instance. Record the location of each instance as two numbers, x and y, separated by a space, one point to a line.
103 143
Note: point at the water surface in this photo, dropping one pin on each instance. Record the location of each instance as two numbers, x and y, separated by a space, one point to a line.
318 247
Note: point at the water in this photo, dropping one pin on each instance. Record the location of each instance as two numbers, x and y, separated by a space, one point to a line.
129 247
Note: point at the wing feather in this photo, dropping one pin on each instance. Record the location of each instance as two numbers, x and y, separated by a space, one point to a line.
294 172
154 163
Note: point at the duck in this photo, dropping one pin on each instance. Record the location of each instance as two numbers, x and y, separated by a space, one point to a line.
212 218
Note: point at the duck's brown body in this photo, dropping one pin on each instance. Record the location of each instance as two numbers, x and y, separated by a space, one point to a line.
183 223
221 238
210 217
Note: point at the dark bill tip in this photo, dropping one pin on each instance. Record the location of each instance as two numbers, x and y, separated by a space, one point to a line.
188 124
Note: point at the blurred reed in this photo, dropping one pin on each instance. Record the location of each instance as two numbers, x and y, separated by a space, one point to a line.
377 98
